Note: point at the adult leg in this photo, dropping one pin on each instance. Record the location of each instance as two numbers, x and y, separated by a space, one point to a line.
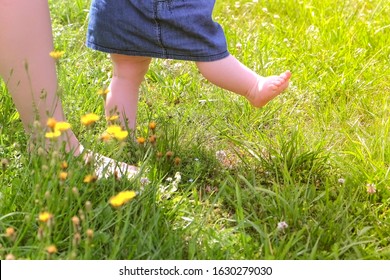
26 66
230 74
30 74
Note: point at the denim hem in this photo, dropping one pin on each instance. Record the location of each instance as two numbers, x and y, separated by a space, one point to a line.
208 58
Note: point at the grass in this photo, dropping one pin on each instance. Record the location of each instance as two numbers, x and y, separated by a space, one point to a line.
316 158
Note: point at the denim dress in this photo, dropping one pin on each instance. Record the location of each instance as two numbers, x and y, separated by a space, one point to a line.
176 29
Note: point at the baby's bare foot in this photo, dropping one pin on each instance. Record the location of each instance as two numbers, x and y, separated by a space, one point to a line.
268 88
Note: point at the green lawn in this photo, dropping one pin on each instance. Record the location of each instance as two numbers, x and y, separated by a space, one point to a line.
316 159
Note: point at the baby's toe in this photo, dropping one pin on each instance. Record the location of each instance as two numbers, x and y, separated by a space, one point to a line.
286 75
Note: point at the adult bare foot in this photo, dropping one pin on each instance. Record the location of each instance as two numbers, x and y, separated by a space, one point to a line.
106 167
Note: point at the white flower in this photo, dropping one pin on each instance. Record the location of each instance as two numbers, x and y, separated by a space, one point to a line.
341 180
144 181
282 225
169 179
178 177
174 186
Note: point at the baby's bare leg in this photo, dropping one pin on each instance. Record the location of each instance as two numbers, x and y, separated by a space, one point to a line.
232 75
128 74
26 66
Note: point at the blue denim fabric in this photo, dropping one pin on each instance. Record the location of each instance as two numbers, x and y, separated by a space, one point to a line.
177 29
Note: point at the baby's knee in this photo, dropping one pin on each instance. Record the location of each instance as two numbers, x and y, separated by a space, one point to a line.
130 66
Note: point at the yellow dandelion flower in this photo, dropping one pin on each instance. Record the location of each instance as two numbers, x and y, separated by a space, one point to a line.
141 140
112 129
51 122
52 249
53 134
121 135
116 201
56 54
90 178
152 125
62 126
103 92
64 165
44 217
122 198
127 195
89 119
116 132
63 176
